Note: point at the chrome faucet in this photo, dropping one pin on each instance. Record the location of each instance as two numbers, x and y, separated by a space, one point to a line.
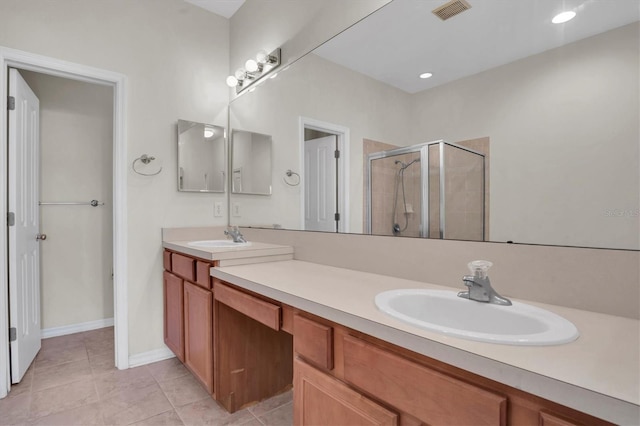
235 234
479 285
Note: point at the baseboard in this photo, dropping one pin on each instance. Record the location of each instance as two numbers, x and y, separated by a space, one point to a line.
45 333
149 357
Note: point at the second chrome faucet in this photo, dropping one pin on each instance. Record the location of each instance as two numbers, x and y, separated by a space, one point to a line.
235 234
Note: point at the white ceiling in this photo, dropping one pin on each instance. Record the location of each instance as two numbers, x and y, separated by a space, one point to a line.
224 8
403 39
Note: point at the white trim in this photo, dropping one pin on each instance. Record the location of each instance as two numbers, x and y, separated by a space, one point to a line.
151 356
52 66
46 333
344 166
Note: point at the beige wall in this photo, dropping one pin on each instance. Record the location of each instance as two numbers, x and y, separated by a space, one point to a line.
595 280
175 57
76 134
570 119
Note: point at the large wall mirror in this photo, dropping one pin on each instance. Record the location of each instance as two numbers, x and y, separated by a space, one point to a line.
201 157
526 131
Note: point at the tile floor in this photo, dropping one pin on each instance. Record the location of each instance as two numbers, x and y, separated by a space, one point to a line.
73 382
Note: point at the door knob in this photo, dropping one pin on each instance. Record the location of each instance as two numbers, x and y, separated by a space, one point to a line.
41 237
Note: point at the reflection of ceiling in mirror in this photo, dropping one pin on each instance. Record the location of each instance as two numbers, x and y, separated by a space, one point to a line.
491 33
226 8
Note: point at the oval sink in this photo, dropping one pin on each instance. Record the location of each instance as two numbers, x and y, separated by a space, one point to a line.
444 312
217 244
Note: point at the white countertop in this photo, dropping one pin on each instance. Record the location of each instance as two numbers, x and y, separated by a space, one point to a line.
255 250
598 374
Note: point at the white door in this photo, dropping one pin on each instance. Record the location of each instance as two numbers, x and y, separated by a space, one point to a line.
320 198
24 252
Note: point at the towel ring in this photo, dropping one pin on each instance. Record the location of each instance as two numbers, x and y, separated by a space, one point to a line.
144 159
288 174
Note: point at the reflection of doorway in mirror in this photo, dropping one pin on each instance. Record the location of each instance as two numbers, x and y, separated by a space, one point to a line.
324 171
237 180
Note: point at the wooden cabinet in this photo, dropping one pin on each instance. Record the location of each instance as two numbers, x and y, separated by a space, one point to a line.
254 357
188 314
173 314
320 399
198 333
336 366
244 347
415 389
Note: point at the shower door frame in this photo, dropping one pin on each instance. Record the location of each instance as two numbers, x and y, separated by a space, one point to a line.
423 149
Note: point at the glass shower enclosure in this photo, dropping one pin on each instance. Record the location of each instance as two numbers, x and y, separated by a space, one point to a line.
430 190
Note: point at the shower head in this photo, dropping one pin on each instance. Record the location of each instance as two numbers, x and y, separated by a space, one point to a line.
404 165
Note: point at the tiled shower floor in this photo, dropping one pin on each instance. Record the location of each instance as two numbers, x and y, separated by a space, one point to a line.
73 382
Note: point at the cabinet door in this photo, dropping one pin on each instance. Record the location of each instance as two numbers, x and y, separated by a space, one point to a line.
198 333
173 314
320 399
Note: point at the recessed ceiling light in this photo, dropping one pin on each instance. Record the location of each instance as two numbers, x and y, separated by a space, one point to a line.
563 17
426 75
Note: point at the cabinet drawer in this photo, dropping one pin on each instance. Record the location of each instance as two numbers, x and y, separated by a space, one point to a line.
313 341
426 394
203 278
166 260
257 309
183 266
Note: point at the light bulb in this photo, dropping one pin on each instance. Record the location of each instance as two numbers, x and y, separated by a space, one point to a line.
262 57
563 17
241 74
232 81
208 132
426 75
251 65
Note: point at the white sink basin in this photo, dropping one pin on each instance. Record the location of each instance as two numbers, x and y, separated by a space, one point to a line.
444 312
216 244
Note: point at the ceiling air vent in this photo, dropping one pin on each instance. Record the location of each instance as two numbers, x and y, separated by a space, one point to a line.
451 9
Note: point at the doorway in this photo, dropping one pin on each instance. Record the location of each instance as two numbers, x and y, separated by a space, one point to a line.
11 58
75 203
325 175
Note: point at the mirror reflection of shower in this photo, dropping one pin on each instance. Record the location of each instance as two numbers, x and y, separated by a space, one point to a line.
399 186
429 190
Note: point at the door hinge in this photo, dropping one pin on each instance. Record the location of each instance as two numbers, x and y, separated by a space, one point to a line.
336 154
336 217
11 103
13 334
11 219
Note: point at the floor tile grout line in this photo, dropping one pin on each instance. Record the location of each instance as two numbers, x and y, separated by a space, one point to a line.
95 386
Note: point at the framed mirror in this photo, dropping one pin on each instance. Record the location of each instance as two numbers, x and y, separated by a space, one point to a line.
250 163
553 109
201 157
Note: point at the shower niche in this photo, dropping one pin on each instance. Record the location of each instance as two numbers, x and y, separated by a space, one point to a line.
431 190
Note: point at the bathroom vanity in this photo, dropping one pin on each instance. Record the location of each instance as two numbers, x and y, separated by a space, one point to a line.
266 326
190 316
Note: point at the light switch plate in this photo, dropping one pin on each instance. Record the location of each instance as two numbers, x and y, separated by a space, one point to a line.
235 210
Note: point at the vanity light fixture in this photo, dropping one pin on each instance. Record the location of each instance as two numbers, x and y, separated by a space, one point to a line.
254 70
425 75
563 17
